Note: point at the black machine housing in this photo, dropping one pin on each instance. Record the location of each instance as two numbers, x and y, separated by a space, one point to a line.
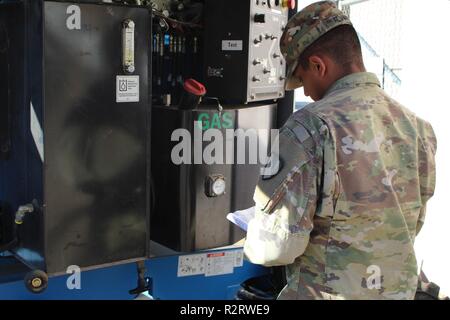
186 215
71 151
97 172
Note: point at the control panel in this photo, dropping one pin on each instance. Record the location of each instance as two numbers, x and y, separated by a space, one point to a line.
242 49
267 70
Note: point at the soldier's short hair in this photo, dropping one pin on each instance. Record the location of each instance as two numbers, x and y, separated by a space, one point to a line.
341 44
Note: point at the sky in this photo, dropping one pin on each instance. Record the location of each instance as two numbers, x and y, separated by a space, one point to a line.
425 90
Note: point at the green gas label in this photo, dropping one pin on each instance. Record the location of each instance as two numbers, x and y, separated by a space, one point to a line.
216 121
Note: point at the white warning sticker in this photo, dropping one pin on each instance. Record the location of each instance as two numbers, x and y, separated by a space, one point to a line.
127 89
239 258
210 264
219 263
191 265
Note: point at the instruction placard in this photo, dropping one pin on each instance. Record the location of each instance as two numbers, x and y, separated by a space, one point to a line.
210 264
191 265
220 263
127 89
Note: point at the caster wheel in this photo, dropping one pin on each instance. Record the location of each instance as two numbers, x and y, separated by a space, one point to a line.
36 281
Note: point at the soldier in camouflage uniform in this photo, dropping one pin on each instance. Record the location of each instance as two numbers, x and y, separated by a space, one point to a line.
357 169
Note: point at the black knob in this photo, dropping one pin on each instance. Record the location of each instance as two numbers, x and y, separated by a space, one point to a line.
258 40
260 18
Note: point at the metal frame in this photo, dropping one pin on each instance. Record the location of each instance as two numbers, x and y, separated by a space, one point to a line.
114 283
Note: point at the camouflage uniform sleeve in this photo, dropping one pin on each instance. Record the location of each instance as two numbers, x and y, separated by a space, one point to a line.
427 168
286 201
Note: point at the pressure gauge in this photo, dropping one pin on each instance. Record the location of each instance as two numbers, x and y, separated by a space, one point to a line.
219 187
215 185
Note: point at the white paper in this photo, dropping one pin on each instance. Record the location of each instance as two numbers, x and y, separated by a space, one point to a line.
242 218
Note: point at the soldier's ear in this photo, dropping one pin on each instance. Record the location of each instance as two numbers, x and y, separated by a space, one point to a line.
318 65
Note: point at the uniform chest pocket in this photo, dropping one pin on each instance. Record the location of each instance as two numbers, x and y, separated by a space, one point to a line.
330 194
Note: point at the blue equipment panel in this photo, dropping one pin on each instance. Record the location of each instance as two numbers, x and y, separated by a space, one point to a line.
114 283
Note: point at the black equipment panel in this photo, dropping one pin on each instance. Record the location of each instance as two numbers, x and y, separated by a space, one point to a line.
184 216
80 157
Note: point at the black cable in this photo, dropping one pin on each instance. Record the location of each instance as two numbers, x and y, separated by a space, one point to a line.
162 16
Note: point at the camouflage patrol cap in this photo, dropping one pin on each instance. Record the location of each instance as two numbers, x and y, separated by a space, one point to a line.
304 29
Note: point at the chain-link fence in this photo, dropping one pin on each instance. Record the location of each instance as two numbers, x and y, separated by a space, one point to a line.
379 24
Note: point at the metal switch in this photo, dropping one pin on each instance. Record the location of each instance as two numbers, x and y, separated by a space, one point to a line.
260 18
